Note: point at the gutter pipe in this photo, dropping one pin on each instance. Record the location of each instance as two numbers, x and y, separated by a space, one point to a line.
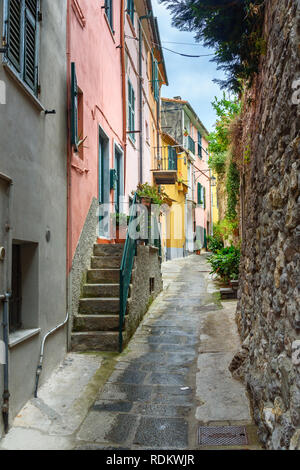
40 365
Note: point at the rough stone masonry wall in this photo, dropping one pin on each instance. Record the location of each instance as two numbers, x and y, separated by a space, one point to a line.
269 296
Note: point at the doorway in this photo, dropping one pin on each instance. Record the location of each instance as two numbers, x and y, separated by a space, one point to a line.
104 186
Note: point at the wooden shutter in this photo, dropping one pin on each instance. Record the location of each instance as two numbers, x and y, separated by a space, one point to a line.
199 193
30 43
204 198
14 37
74 106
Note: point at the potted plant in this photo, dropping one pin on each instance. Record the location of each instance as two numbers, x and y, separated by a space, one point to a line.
150 194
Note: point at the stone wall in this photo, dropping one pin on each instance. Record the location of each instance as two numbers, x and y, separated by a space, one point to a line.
269 296
147 265
82 261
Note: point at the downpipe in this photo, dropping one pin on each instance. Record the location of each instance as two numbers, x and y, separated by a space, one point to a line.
6 394
40 365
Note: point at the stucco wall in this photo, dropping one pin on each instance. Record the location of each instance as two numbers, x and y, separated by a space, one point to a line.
268 307
33 153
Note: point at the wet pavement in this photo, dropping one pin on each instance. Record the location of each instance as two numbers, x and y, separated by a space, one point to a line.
164 386
172 378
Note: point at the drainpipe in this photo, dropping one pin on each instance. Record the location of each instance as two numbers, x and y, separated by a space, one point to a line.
40 365
123 71
145 17
5 298
6 394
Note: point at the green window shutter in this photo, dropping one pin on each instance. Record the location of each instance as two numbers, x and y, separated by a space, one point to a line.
199 145
204 198
131 110
172 158
156 83
74 106
30 43
199 193
14 36
130 10
109 12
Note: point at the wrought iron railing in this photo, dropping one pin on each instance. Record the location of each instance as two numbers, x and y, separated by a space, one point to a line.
167 159
126 270
129 254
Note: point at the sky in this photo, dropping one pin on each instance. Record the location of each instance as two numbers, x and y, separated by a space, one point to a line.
190 78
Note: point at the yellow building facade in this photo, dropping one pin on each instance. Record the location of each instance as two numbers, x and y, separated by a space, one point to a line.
174 159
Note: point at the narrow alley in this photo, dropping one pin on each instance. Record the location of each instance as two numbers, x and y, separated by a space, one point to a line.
172 379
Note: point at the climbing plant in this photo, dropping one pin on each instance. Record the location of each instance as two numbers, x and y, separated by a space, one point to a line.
232 188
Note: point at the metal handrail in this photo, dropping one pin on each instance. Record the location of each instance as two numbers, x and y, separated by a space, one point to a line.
126 270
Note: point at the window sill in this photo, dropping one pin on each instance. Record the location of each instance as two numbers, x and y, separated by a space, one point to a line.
22 335
23 86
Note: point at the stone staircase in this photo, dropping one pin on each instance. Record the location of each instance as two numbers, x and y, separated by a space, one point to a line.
96 327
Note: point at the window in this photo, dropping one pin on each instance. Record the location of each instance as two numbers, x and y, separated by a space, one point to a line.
130 10
23 40
131 111
23 304
74 107
172 158
199 194
109 12
199 145
155 80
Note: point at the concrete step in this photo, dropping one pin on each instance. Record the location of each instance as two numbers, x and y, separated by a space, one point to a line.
103 276
106 262
85 323
108 250
101 290
95 341
99 306
228 293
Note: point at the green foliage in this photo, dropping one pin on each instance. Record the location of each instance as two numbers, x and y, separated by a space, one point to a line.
219 140
147 191
225 263
215 243
225 229
233 28
232 188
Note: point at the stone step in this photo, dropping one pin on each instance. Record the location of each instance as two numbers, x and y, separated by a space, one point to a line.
101 290
95 341
99 305
106 262
85 323
228 293
103 276
108 250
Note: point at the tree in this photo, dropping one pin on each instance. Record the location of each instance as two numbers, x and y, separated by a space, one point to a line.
231 27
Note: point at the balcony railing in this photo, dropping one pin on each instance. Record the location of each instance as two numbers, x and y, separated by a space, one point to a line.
191 145
165 166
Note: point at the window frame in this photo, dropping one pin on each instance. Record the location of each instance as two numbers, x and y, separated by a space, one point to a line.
19 69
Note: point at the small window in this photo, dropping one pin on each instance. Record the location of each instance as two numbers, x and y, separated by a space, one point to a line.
109 12
23 305
131 111
152 285
23 40
130 10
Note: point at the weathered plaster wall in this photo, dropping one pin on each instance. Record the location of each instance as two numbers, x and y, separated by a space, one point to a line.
269 295
33 153
147 265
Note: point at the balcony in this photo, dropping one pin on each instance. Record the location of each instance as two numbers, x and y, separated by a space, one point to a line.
191 145
165 166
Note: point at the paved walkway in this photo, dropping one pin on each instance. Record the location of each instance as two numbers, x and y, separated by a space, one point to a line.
172 378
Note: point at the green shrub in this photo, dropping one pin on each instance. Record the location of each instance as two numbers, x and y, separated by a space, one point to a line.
225 263
215 243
